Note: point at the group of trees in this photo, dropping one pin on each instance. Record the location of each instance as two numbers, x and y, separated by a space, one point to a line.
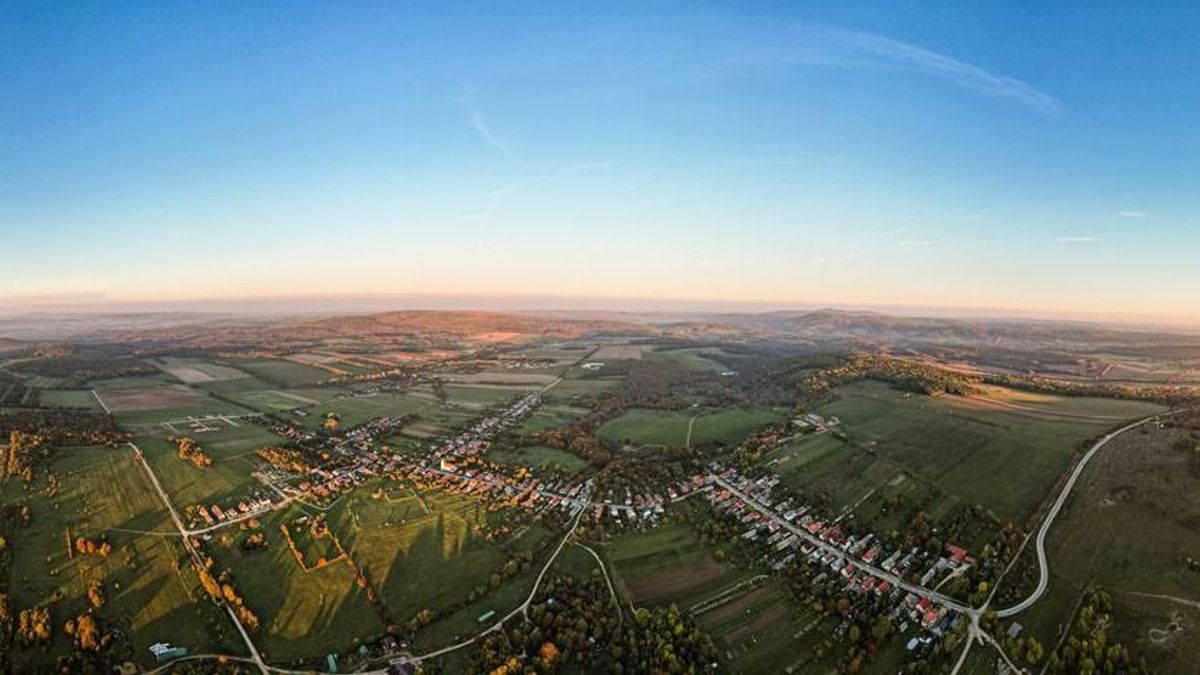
191 451
87 634
285 459
24 449
222 590
62 426
33 625
575 624
99 546
1087 649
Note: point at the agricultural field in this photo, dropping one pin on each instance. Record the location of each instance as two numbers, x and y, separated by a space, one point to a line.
355 410
699 359
277 400
548 416
69 398
620 352
231 449
667 564
283 373
195 371
136 406
539 457
105 493
580 385
671 427
960 447
302 613
1129 527
760 629
421 549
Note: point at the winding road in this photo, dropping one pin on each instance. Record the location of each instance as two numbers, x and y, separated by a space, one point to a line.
1040 542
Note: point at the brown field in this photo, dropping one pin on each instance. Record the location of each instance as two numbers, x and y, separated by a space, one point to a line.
499 378
620 352
677 581
152 398
495 336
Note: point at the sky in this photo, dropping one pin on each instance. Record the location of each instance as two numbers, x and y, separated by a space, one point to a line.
1014 157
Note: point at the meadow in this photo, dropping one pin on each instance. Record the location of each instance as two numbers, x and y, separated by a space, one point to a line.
1129 527
422 550
670 427
538 457
105 492
231 449
283 373
667 564
698 359
959 447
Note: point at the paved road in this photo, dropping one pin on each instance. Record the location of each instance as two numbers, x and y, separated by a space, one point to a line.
607 580
254 655
880 573
1043 564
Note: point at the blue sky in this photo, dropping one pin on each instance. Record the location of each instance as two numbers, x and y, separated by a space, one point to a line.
999 156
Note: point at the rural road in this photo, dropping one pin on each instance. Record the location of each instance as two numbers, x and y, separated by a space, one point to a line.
607 580
875 571
254 655
1040 542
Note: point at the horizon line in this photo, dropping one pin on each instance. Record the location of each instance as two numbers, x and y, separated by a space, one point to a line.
359 303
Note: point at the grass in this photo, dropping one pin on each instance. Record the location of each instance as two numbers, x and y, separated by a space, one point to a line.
538 457
302 614
229 477
283 373
764 631
667 564
670 427
1129 526
698 359
421 553
69 398
105 491
356 410
549 416
961 448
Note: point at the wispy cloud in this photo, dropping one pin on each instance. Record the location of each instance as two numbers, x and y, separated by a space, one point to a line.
1069 239
914 243
584 166
1130 214
475 215
971 216
818 45
502 190
478 123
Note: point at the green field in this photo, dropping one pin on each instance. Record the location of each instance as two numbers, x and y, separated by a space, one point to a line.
421 551
302 614
538 457
549 416
579 386
231 449
667 564
670 427
762 630
69 398
1132 521
355 410
283 373
699 359
105 491
958 447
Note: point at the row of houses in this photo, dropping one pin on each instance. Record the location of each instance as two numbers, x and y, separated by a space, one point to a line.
850 558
